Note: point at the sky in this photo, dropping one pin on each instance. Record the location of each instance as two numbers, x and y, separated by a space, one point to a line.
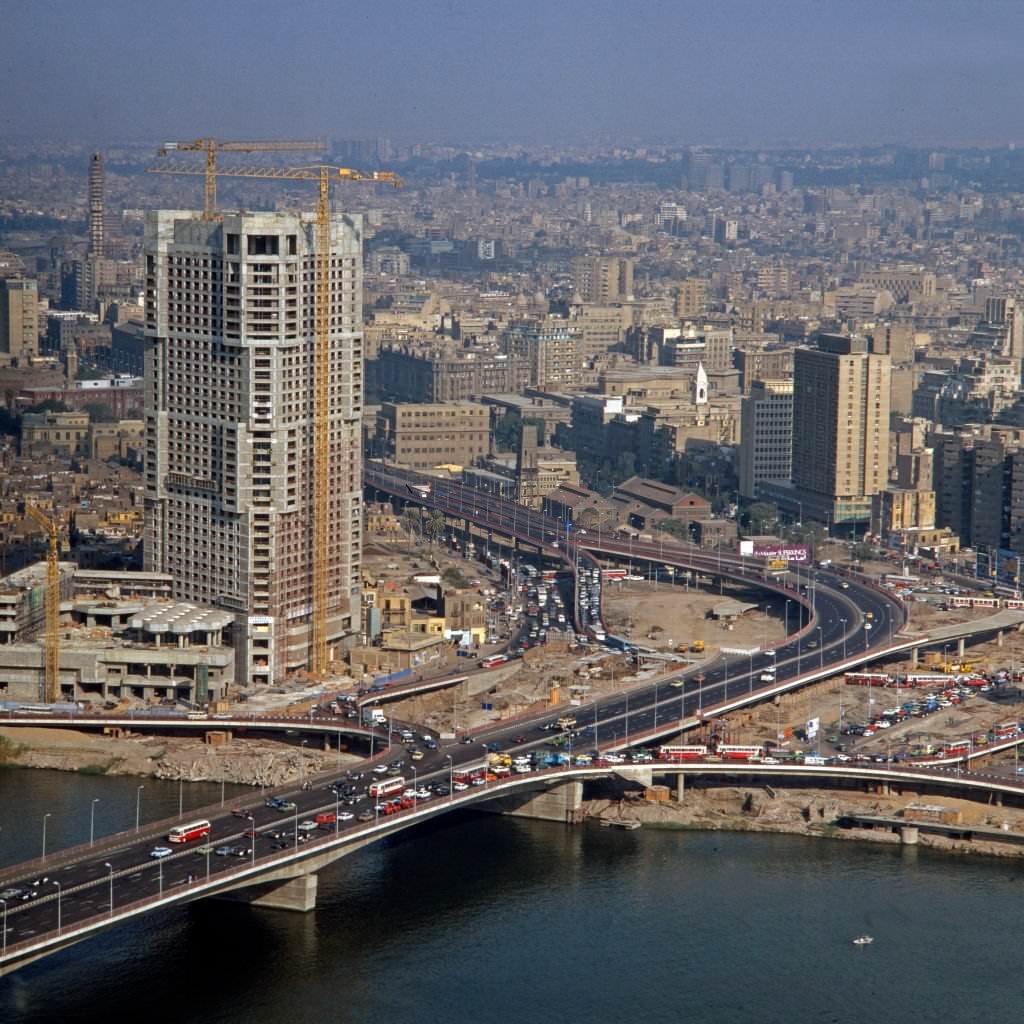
518 71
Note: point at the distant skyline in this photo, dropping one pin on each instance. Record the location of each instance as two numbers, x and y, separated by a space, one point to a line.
536 71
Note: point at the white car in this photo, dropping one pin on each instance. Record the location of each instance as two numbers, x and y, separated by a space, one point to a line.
159 852
345 816
307 826
460 786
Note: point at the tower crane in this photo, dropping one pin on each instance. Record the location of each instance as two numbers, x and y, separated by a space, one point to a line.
324 175
51 603
211 147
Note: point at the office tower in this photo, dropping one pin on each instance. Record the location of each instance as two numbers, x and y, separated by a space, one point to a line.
840 427
230 322
766 434
692 297
96 206
19 320
603 279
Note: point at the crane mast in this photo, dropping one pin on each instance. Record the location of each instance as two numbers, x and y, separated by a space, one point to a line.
51 605
323 175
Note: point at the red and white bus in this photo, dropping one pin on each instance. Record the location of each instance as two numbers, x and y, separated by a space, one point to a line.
867 679
387 786
188 833
613 574
737 752
1005 730
494 661
957 748
676 754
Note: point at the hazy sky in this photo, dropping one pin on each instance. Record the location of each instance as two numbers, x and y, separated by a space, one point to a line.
516 70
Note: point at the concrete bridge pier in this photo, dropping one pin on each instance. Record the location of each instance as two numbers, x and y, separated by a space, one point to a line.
562 802
296 894
961 647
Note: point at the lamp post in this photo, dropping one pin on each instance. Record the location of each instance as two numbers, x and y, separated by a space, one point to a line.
4 902
821 648
451 777
302 761
92 818
415 786
110 868
45 816
181 797
138 804
843 621
59 889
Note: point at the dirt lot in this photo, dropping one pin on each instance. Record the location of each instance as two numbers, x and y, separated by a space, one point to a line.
665 616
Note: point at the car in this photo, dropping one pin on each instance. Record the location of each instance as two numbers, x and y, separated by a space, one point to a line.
10 894
416 755
159 852
224 851
365 816
28 894
241 851
204 849
769 760
460 786
380 769
285 805
345 816
306 826
442 790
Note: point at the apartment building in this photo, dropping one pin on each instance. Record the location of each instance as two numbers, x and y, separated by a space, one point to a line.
422 436
766 435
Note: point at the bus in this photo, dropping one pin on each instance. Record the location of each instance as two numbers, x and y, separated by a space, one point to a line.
738 752
1005 731
189 833
387 786
685 753
613 574
956 748
867 679
494 661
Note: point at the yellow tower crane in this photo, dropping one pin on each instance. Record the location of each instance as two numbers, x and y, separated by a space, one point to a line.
324 175
211 147
51 642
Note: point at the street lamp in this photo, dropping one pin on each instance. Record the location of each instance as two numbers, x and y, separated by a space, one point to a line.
110 868
843 621
451 777
4 902
415 786
45 816
138 803
821 648
59 888
302 761
92 818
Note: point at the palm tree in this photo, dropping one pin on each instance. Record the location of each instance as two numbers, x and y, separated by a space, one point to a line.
411 520
433 525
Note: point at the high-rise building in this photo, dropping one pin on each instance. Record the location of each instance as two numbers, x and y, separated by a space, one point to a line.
766 434
840 427
230 328
603 279
97 245
19 320
692 297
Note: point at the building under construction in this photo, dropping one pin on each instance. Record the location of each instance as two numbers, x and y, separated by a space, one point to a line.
231 326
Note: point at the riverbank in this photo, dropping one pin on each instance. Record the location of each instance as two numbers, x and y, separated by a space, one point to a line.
261 763
805 812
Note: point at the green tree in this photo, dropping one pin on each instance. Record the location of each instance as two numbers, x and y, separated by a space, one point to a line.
100 412
433 525
506 432
762 516
451 577
50 405
411 521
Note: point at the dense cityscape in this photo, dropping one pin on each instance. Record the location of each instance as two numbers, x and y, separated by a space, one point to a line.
463 545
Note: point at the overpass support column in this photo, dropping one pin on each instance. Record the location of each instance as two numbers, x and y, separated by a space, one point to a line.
908 835
680 787
999 638
914 657
961 646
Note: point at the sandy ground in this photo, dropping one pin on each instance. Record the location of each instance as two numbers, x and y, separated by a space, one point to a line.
663 616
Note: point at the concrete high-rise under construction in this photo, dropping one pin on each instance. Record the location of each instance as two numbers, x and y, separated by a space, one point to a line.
97 243
231 327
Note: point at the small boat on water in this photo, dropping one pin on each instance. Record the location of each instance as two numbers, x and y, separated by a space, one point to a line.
863 940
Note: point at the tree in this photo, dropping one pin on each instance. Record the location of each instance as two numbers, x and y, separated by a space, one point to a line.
50 405
506 432
100 412
762 516
454 579
433 525
412 521
675 528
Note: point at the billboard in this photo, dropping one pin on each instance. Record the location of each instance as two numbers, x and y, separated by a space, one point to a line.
800 553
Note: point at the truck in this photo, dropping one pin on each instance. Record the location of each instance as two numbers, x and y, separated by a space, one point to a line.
697 646
554 760
777 565
566 722
373 716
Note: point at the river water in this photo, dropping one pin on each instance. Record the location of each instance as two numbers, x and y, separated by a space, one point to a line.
480 918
